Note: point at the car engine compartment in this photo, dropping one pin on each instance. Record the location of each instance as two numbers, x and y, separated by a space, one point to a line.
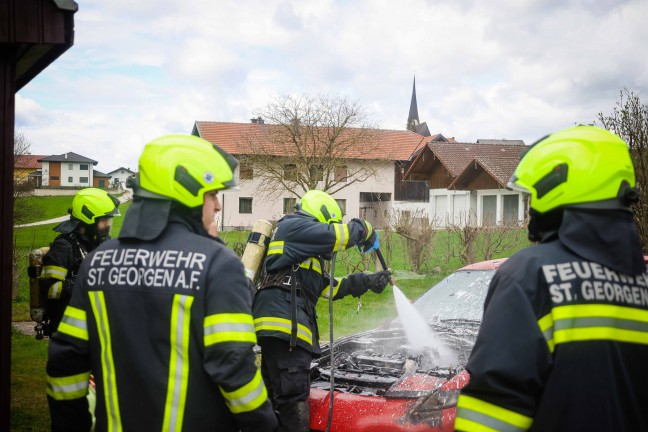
372 362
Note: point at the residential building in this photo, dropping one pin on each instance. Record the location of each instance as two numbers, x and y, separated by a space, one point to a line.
100 180
468 182
118 177
371 199
27 167
67 170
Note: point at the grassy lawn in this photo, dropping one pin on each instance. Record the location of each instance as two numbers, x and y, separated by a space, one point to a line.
29 405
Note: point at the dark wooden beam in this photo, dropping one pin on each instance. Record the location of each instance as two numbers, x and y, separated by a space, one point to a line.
7 96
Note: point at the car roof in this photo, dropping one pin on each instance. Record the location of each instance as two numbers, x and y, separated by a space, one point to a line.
485 265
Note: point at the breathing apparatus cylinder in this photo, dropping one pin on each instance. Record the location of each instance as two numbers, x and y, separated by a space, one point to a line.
255 250
37 297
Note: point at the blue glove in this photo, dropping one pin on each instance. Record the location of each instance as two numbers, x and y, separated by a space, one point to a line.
371 243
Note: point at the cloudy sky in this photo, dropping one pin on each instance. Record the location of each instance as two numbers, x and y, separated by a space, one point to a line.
514 69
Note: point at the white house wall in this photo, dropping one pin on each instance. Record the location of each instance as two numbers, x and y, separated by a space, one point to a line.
230 218
74 171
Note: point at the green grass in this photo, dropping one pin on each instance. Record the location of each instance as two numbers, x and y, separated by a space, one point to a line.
29 410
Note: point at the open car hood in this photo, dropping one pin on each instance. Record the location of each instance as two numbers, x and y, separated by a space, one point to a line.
380 362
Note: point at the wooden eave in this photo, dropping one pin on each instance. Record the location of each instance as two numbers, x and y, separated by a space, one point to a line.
476 176
38 32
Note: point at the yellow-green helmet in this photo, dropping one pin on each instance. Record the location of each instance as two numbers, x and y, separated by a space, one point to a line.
89 204
582 166
183 168
322 206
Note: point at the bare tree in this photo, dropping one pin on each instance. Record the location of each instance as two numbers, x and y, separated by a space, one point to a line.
305 143
22 208
629 120
418 232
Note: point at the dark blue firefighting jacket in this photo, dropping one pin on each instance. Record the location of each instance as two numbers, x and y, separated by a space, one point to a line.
165 328
564 341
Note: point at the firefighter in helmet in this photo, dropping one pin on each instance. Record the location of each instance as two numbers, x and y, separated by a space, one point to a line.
295 278
563 345
161 316
89 225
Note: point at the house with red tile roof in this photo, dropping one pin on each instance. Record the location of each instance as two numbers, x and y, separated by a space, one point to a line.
370 199
26 165
467 181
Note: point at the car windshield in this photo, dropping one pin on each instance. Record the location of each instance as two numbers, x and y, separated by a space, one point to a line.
460 296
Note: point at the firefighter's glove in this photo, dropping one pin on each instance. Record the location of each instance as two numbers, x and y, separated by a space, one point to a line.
378 281
371 239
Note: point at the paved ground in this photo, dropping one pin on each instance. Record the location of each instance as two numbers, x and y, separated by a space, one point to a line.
26 327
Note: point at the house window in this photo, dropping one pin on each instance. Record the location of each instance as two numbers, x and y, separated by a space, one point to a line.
342 204
245 205
83 167
341 174
70 179
54 178
316 172
489 210
83 180
246 172
289 205
70 167
290 172
510 213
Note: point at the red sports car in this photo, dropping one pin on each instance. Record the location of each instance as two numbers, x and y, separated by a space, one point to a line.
382 383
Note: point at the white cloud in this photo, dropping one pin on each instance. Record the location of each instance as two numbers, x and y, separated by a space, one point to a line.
497 69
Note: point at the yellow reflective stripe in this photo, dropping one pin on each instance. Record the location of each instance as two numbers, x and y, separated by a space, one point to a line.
283 325
462 424
276 247
69 387
311 264
247 398
546 327
98 303
327 290
229 327
74 323
600 322
341 236
490 415
176 397
55 272
54 292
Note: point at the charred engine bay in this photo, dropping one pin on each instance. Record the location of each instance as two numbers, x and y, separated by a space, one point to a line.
372 362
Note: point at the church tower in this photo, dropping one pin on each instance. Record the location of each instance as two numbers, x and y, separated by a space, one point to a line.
413 118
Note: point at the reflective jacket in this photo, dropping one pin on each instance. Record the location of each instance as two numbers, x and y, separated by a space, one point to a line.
165 328
60 266
564 341
300 242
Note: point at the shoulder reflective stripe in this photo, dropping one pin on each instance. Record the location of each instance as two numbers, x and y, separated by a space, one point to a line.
311 264
247 398
341 236
546 327
276 247
54 292
176 397
69 387
54 272
229 327
600 322
283 325
74 323
98 303
490 415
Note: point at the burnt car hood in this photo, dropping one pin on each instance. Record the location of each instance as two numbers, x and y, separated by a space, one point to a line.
380 362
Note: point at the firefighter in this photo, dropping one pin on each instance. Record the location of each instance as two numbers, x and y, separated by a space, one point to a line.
161 316
89 225
284 306
564 340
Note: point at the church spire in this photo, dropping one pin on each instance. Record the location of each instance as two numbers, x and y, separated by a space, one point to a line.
413 118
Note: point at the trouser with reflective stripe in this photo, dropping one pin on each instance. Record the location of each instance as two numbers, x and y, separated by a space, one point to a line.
287 377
